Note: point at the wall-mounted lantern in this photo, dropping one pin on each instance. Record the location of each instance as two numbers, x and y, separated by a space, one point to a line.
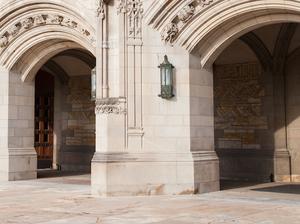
166 79
93 84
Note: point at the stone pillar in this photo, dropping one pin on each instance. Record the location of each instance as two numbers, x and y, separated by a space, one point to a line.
282 169
18 159
206 162
110 145
110 117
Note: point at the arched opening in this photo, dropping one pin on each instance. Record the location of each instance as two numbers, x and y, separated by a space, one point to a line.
64 114
257 108
46 56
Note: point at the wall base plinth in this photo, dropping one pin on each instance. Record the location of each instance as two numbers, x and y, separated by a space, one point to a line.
18 164
282 161
132 174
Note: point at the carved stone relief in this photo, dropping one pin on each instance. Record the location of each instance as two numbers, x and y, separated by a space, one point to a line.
186 13
135 14
205 2
169 33
100 8
40 20
122 6
134 11
110 106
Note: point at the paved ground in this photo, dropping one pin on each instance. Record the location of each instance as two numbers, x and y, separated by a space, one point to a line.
66 200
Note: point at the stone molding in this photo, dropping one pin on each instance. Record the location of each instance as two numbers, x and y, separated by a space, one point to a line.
18 28
110 106
155 157
21 152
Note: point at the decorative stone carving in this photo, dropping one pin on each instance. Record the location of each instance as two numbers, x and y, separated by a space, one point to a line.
186 13
39 20
135 13
169 33
3 41
14 30
205 2
100 9
28 23
110 106
69 23
122 6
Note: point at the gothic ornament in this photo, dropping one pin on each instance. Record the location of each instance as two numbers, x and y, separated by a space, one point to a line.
100 9
205 2
110 106
122 6
39 20
3 41
186 13
169 33
28 23
135 13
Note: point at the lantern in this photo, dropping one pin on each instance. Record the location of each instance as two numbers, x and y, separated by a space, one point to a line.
166 79
93 84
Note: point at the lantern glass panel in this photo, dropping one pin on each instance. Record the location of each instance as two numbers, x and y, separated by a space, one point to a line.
168 76
163 76
93 84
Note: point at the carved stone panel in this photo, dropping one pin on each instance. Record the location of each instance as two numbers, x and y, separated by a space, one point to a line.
239 102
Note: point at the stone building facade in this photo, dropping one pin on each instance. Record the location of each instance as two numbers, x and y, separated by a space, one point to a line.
234 114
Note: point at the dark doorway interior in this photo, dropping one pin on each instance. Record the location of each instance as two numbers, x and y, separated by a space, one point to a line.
44 117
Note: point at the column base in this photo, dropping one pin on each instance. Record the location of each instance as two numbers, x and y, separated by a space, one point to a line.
18 164
133 174
282 162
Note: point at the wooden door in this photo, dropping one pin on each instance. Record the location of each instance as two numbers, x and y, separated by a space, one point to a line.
44 118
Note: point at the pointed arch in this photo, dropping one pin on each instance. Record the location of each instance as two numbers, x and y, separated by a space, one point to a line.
206 28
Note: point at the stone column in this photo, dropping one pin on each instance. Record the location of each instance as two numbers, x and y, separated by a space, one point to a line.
281 154
110 117
206 162
282 163
18 159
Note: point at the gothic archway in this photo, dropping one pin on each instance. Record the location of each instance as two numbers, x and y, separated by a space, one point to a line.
33 32
207 27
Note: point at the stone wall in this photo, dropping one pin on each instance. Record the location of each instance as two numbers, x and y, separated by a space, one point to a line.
239 96
78 125
242 127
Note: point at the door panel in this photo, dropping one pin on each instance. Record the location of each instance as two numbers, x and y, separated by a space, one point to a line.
44 116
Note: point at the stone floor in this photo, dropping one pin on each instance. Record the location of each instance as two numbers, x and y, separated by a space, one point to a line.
66 200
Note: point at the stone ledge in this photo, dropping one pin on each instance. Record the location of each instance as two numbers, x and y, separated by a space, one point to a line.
154 157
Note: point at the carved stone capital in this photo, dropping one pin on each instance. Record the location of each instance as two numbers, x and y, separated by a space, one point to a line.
111 106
